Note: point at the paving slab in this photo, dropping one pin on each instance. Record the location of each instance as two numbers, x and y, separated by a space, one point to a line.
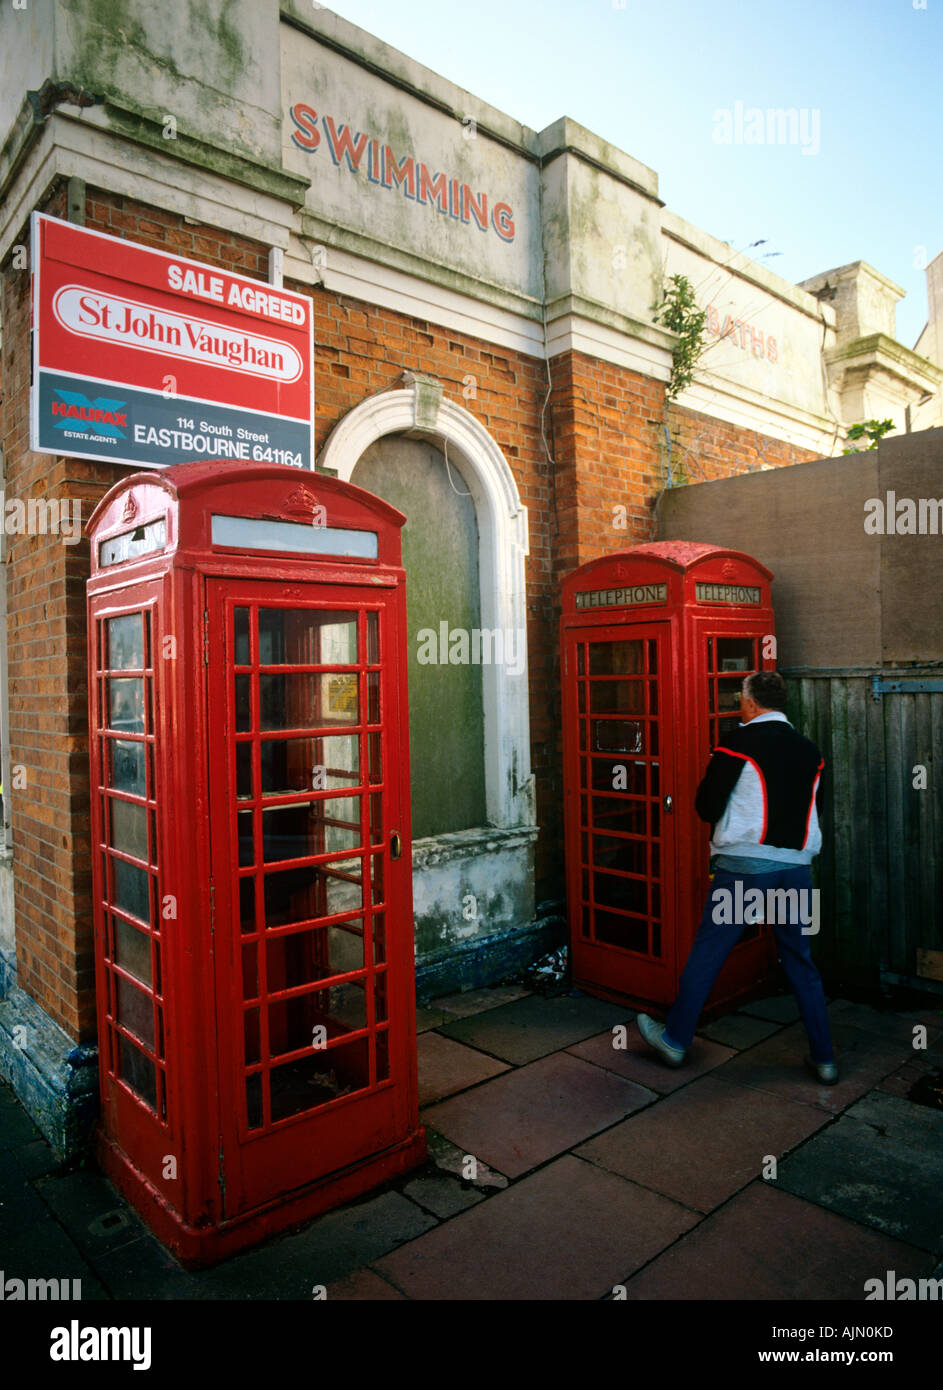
932 1019
322 1252
91 1210
447 1066
20 1206
636 1061
33 1245
739 1031
143 1269
449 1158
535 1112
922 1064
570 1231
16 1127
767 1244
776 1066
36 1159
364 1286
44 1251
704 1143
442 1195
427 1018
881 1022
477 1001
529 1028
779 1008
881 1163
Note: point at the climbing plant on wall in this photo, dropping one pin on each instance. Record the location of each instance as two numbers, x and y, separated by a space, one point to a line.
678 310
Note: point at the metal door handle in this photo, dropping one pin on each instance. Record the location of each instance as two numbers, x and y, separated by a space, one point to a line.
669 803
396 845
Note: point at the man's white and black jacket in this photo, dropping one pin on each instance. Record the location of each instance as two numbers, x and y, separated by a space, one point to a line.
759 790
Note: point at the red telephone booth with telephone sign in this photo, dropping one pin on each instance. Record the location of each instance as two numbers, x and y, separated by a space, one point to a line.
655 644
252 872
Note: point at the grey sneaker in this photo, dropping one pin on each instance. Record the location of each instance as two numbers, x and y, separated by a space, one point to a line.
654 1033
827 1072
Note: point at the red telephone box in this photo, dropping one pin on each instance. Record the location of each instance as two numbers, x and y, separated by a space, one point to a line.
655 644
251 849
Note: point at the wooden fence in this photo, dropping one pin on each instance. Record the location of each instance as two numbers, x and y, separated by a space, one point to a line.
881 866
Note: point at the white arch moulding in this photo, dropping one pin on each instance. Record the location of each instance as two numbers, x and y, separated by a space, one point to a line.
502 532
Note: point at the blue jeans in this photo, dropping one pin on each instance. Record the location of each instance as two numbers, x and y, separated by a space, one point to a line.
716 939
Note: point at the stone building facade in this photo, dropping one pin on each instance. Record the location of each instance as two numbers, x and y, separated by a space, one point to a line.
488 356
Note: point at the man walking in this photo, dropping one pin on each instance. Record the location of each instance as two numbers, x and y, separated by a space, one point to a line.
758 795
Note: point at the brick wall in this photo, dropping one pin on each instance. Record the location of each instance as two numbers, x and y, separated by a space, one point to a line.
607 421
46 624
604 427
703 448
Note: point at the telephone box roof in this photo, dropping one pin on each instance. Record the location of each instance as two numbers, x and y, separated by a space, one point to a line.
680 555
184 479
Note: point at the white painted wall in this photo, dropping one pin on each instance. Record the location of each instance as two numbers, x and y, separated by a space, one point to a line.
27 55
767 308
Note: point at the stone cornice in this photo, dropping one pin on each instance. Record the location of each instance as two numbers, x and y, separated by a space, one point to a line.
852 271
142 129
653 333
125 121
22 137
567 137
335 234
878 353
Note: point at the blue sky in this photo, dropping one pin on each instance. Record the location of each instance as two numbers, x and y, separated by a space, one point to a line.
649 77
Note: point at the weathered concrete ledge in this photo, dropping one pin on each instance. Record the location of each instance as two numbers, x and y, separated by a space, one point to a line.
55 1081
473 894
468 844
488 961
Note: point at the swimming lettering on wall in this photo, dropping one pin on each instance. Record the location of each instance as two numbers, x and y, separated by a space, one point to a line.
378 161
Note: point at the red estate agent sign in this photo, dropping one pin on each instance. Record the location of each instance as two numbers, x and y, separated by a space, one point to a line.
151 359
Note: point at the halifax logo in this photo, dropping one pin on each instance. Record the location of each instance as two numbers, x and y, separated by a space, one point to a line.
101 416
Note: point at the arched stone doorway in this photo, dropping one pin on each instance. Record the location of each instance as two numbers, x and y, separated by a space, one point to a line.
473 854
